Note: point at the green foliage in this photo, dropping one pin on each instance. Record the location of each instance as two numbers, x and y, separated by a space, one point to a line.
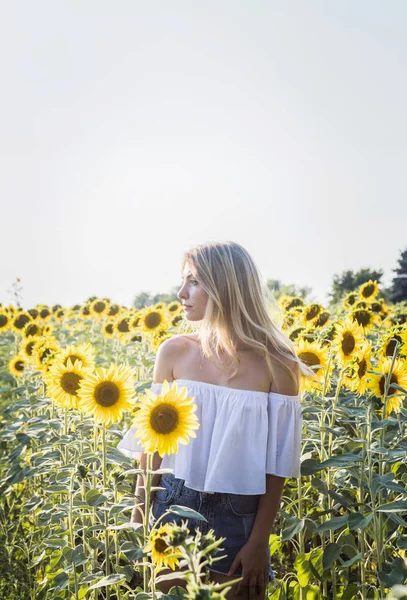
398 290
349 280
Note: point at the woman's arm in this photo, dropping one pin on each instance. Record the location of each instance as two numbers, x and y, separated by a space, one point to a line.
267 509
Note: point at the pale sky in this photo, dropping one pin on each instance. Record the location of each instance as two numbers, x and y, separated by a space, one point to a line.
133 130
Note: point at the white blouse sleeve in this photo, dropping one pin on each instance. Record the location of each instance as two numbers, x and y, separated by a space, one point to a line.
284 435
130 445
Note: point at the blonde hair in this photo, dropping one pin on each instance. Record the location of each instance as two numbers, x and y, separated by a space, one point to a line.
238 308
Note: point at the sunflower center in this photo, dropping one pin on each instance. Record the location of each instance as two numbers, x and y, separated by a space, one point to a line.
160 545
368 290
3 320
164 418
123 326
107 393
44 313
46 354
21 321
73 358
392 345
152 320
109 328
70 383
114 309
348 343
310 359
362 368
393 379
32 330
29 348
99 307
362 317
19 365
312 312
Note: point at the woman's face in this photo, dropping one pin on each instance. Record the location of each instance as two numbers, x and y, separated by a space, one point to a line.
192 295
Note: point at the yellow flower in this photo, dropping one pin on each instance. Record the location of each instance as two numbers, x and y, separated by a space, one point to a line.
20 320
164 420
174 306
162 554
389 342
153 319
311 313
31 329
107 393
4 320
369 290
398 377
315 357
356 377
63 379
17 365
348 339
350 299
365 317
44 352
99 308
83 353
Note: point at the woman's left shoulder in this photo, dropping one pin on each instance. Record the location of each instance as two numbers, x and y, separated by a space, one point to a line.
286 375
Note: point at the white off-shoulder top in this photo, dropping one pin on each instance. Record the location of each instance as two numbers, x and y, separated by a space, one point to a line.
243 435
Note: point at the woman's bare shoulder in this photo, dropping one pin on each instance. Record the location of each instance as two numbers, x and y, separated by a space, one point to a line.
286 375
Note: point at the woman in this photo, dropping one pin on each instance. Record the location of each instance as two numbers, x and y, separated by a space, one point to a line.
244 376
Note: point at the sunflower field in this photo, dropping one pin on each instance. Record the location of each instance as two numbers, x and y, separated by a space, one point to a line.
72 382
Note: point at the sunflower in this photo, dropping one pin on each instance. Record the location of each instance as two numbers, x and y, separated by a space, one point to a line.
47 329
322 319
84 313
178 318
369 290
20 320
31 330
162 554
311 312
398 377
364 317
45 352
350 299
153 319
108 329
27 348
63 381
4 320
356 377
314 356
17 365
83 353
107 393
114 310
122 325
99 308
348 338
389 342
296 332
60 315
174 307
159 306
164 420
45 313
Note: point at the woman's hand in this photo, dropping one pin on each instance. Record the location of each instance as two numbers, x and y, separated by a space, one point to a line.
254 559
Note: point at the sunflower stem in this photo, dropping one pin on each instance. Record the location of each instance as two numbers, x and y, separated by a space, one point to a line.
104 471
147 488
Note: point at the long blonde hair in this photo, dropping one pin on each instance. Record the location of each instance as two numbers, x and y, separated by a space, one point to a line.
238 308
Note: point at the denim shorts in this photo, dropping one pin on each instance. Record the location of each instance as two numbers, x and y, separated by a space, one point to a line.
230 515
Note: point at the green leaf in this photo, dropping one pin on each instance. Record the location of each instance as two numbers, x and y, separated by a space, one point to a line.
185 511
95 498
359 521
399 506
109 580
131 551
356 558
54 542
301 565
333 524
310 466
293 525
331 554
